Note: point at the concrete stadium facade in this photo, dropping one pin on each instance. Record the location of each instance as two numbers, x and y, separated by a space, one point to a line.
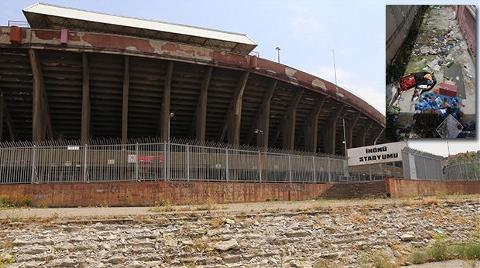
66 80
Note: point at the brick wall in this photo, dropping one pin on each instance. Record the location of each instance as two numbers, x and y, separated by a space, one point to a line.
409 188
147 193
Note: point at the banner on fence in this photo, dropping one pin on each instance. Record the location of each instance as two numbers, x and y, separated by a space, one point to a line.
375 154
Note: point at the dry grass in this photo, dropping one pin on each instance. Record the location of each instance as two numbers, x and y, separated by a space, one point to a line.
359 218
162 205
209 205
200 245
216 222
6 244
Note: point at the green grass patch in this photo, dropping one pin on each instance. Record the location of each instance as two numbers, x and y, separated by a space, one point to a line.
444 249
5 261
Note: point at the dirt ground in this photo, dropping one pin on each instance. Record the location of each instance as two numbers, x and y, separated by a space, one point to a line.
228 209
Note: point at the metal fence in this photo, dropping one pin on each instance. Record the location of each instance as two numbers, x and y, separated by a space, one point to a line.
419 165
163 161
463 171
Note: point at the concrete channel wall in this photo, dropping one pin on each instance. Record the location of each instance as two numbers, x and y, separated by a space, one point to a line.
467 20
150 193
118 194
180 193
411 188
399 20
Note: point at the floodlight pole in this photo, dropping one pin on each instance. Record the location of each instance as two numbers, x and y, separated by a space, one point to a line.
448 147
278 54
344 137
334 67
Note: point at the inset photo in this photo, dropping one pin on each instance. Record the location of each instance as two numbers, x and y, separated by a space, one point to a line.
431 72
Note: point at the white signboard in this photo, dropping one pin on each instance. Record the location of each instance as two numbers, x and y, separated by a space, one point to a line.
381 153
449 128
73 147
132 158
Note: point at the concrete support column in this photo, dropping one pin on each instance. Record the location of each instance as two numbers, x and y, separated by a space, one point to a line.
85 124
201 112
126 85
350 125
263 123
361 138
2 109
331 131
289 122
235 114
165 113
311 127
41 122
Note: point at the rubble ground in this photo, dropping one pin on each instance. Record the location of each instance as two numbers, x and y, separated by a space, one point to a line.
321 233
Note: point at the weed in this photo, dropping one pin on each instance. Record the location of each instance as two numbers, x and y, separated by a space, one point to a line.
443 249
359 218
5 261
381 261
7 244
200 245
27 201
322 263
164 208
216 222
209 205
162 202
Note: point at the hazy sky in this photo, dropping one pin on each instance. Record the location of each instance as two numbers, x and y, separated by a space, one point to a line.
306 32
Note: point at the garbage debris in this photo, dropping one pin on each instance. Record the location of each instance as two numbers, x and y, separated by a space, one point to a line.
417 104
439 104
447 89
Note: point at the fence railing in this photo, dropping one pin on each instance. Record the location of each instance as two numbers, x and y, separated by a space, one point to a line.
463 171
164 161
46 163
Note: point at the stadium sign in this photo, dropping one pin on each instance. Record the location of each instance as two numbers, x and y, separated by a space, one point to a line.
382 153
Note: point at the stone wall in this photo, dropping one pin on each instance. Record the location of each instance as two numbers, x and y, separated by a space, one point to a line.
409 188
347 235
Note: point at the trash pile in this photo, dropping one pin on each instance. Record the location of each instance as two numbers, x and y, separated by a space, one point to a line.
439 104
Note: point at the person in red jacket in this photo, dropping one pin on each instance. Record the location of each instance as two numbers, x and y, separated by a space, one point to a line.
422 81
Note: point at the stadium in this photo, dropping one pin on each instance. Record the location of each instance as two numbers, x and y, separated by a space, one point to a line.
75 74
101 109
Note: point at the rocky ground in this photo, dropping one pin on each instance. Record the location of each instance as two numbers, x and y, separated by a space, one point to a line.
320 234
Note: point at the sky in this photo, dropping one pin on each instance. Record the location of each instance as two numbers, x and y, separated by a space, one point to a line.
306 31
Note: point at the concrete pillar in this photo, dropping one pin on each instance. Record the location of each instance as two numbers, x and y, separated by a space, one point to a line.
126 85
289 122
350 125
201 112
331 131
86 112
38 117
263 123
165 111
311 127
235 114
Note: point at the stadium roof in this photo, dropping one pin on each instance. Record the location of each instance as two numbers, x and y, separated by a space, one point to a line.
50 16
